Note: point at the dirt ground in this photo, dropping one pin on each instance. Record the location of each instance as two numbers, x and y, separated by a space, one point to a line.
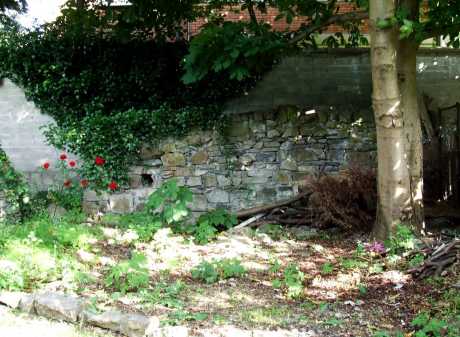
344 298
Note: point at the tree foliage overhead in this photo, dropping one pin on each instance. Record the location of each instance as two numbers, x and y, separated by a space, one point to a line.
159 19
248 47
442 19
14 5
108 94
426 19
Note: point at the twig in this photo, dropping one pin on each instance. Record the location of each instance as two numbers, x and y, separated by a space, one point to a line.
334 19
265 208
247 222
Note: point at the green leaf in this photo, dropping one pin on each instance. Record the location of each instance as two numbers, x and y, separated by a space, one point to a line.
420 320
199 316
383 23
276 283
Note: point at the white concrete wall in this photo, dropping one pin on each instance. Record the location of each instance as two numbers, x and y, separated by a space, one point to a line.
20 134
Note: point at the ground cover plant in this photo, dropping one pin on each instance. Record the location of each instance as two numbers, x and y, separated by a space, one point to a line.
334 284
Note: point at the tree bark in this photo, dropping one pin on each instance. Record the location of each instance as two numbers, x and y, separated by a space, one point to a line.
407 65
252 15
393 175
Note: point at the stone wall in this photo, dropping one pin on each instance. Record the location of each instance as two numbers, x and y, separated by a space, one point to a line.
264 157
302 118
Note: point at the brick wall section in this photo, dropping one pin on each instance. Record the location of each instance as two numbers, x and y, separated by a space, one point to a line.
270 18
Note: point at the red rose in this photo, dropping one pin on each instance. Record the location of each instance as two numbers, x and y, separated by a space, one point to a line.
113 186
84 183
67 183
99 161
72 163
63 156
46 165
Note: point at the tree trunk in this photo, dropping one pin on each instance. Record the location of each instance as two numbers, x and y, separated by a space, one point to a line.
81 4
407 65
393 174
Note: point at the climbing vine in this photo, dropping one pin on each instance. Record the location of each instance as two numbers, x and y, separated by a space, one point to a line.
115 79
109 96
13 189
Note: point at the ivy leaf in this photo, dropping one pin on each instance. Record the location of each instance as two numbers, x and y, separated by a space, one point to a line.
384 23
406 29
235 53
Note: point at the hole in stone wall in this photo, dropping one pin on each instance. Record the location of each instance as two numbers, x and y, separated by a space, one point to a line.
147 179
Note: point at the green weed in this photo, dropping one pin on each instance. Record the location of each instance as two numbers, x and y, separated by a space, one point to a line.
211 272
129 275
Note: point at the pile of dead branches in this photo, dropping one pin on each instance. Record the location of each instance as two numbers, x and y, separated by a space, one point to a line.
289 211
439 257
346 201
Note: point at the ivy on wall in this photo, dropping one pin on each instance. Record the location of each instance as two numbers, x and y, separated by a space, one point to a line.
110 96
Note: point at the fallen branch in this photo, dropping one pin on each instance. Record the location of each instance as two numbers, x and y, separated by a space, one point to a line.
266 208
247 222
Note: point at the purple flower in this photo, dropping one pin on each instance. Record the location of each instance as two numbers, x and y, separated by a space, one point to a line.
375 247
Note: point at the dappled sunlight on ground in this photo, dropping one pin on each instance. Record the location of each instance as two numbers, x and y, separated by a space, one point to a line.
342 293
21 325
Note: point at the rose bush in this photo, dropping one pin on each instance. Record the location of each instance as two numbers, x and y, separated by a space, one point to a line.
70 182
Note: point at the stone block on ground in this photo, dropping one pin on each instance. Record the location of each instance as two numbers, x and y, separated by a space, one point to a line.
110 320
248 159
136 325
58 306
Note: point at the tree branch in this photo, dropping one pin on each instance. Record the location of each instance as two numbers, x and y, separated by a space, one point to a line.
440 31
252 13
339 18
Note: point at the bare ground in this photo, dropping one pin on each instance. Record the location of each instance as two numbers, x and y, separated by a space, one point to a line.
339 301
